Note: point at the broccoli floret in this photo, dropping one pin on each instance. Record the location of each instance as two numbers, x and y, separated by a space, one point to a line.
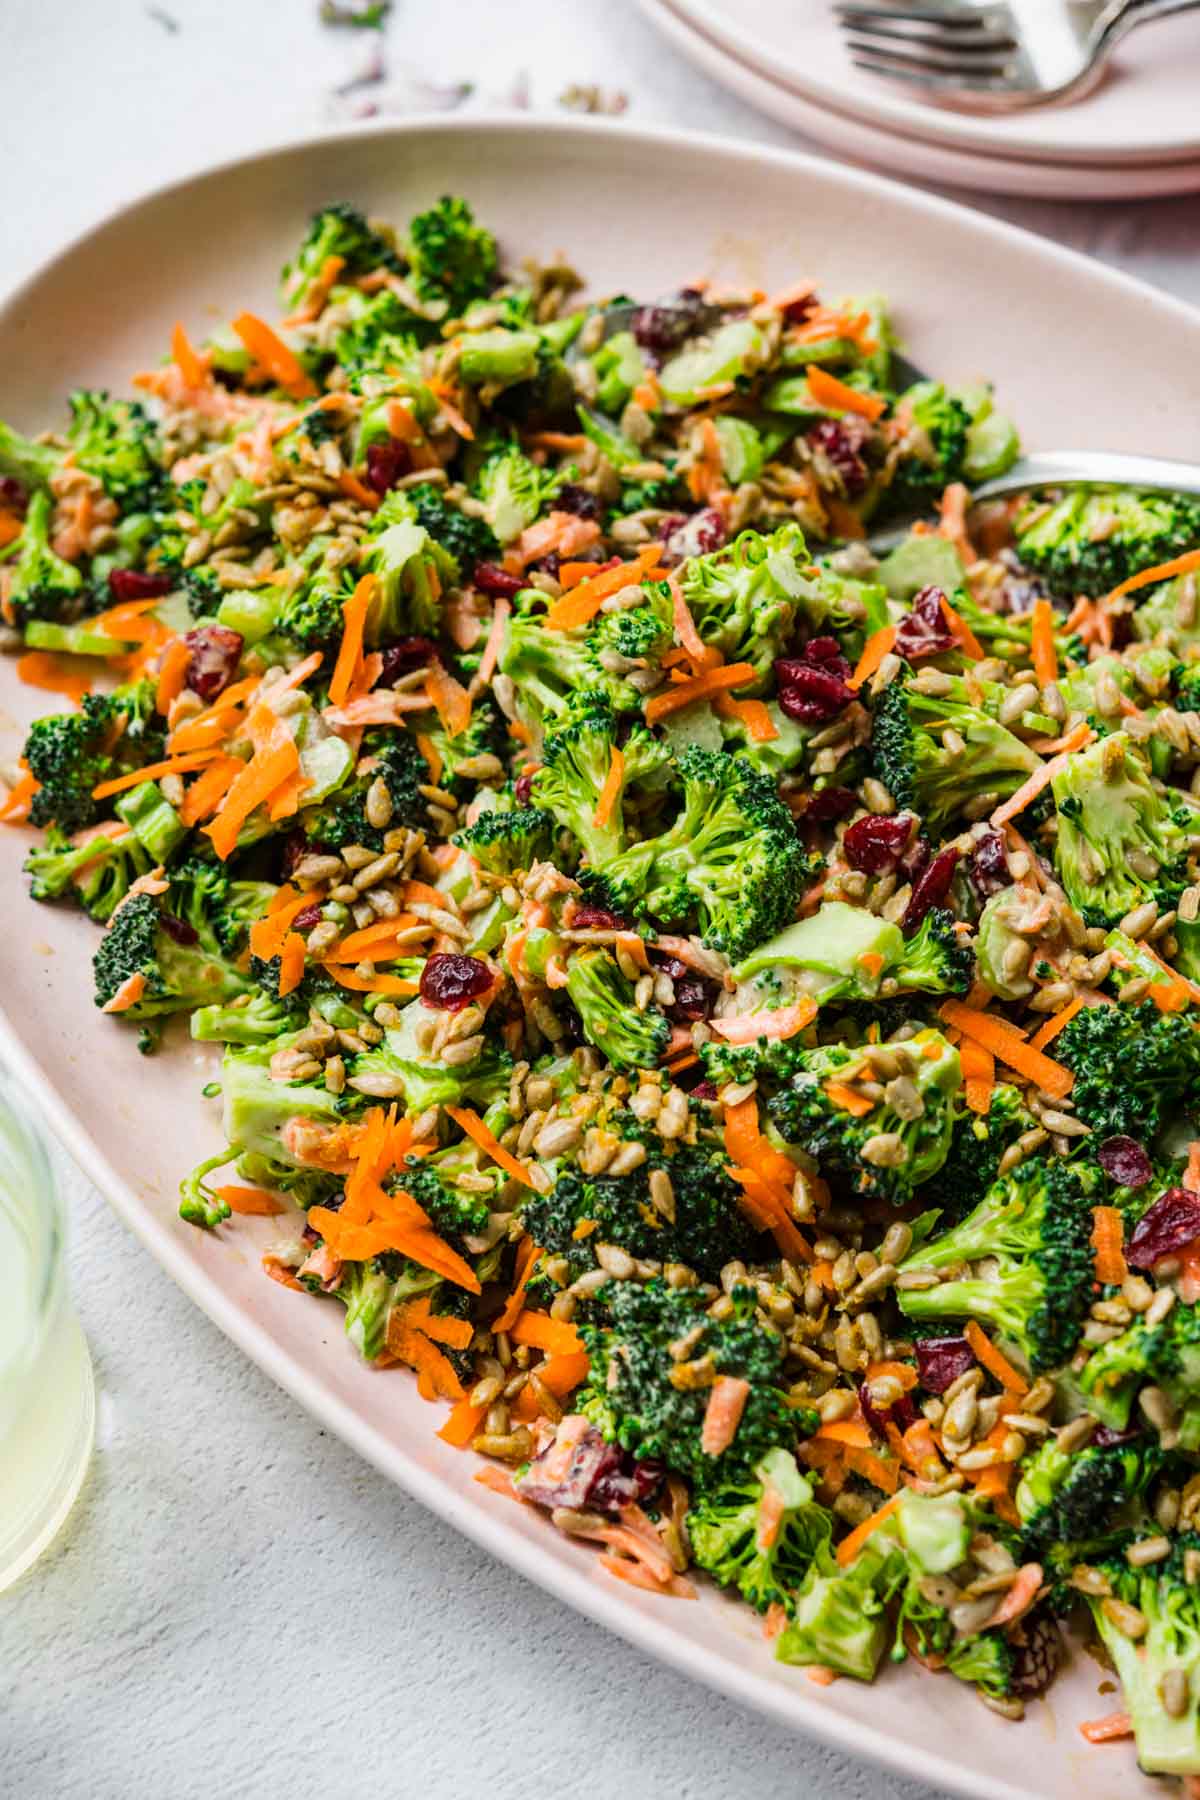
255 1018
976 1147
312 617
482 737
1119 841
341 819
577 762
838 1617
42 584
456 1213
604 1000
765 1554
732 860
1167 1355
504 841
204 592
1089 541
877 1148
338 231
68 755
257 1109
23 461
1032 1232
744 597
381 343
412 572
986 1661
1134 1068
174 976
549 669
939 435
844 952
708 1228
1166 619
514 491
427 1083
911 759
116 441
451 258
628 1329
96 875
636 636
1167 1652
1064 1498
467 539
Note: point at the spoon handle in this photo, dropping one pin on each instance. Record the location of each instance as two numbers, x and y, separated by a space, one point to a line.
1069 468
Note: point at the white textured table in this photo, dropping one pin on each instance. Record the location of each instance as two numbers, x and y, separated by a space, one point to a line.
239 1607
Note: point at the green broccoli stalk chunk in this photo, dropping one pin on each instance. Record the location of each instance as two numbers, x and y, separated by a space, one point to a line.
911 758
1119 840
763 1535
1158 1668
604 1000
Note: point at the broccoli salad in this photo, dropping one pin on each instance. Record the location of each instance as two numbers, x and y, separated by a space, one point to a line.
719 1005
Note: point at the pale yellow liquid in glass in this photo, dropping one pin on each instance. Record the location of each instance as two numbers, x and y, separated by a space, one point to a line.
47 1394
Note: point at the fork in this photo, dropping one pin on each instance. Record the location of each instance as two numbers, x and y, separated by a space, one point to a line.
982 57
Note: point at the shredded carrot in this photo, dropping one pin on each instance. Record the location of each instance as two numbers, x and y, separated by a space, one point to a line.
393 985
14 809
700 687
820 1674
1008 1047
1045 657
1179 565
611 790
298 675
828 391
979 1075
291 964
271 353
191 365
491 649
172 675
685 627
882 1472
1191 1177
584 602
429 751
704 476
127 995
357 490
1029 790
1108 1230
1103 1731
527 1255
267 934
846 1431
753 714
55 674
463 1424
783 1022
256 783
1046 1033
255 1201
874 650
478 1132
11 528
172 765
850 1545
993 1360
961 630
563 1373
354 619
538 1329
848 1099
279 1271
450 698
317 291
726 1403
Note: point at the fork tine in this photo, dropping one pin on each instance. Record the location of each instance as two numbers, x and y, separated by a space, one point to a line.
932 61
931 39
966 23
932 84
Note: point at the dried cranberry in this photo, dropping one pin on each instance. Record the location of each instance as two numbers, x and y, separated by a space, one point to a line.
549 565
940 1362
12 492
387 460
134 584
901 1413
1105 1435
1125 1160
403 656
874 845
450 981
694 999
629 1484
698 535
826 653
489 578
810 693
578 500
178 929
923 630
662 328
304 921
593 918
916 858
831 803
1172 1222
841 442
524 787
931 888
599 1475
215 654
292 852
988 868
705 1090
